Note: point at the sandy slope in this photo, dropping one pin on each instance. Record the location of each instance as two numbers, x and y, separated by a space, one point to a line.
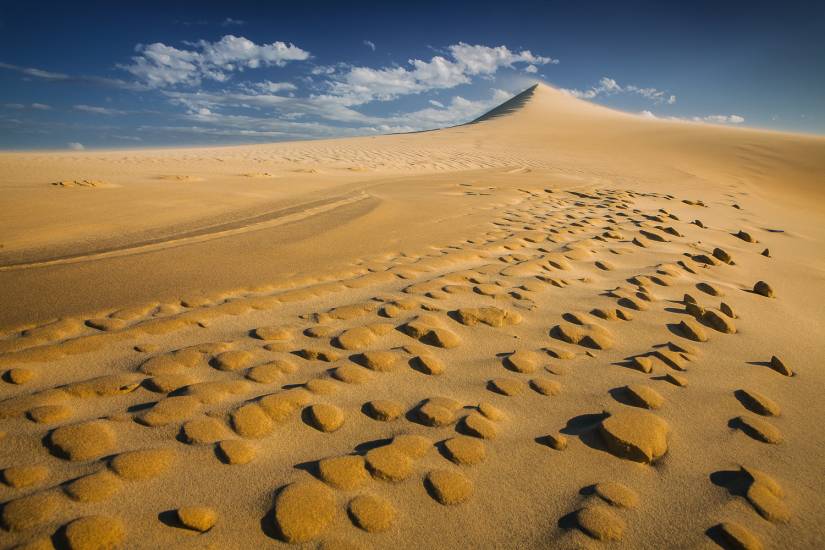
235 316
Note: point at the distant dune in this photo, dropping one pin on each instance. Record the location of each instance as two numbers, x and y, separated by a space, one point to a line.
556 325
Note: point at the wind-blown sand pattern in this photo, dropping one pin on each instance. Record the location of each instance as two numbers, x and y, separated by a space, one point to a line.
554 326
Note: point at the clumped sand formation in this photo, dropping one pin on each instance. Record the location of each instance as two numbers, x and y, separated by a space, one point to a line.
410 340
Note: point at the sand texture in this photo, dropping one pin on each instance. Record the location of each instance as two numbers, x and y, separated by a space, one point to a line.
559 326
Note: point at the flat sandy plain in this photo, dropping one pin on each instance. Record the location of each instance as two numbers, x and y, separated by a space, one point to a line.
558 326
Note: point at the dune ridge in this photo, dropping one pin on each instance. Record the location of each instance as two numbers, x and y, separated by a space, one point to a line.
556 326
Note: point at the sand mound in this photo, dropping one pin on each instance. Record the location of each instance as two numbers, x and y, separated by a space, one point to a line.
251 421
635 435
448 487
20 477
383 410
325 418
545 386
371 513
236 451
617 494
600 523
94 487
142 465
734 535
303 510
428 364
343 472
523 361
85 441
758 429
29 512
758 403
197 518
388 463
644 396
489 315
91 532
465 451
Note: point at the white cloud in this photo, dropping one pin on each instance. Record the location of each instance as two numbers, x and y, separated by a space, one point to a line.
229 22
61 77
98 110
39 73
486 60
75 146
207 113
364 84
41 107
457 111
720 119
532 69
712 119
274 87
608 86
323 70
159 65
14 106
369 44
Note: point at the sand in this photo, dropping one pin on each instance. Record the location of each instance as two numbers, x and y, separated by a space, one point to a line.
558 325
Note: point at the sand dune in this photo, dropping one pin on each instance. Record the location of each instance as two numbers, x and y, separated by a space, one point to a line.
554 326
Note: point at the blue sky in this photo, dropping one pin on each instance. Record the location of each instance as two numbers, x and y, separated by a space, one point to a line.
103 75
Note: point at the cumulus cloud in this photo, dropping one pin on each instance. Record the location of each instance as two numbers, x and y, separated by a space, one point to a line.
216 114
486 60
98 110
75 146
274 87
259 108
712 119
158 65
364 84
608 86
721 119
369 44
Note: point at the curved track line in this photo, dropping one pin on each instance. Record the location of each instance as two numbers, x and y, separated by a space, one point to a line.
272 219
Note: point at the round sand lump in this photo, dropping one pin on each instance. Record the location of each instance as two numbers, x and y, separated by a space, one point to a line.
343 472
600 522
197 518
635 435
84 441
325 417
95 533
389 463
372 513
449 487
304 510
